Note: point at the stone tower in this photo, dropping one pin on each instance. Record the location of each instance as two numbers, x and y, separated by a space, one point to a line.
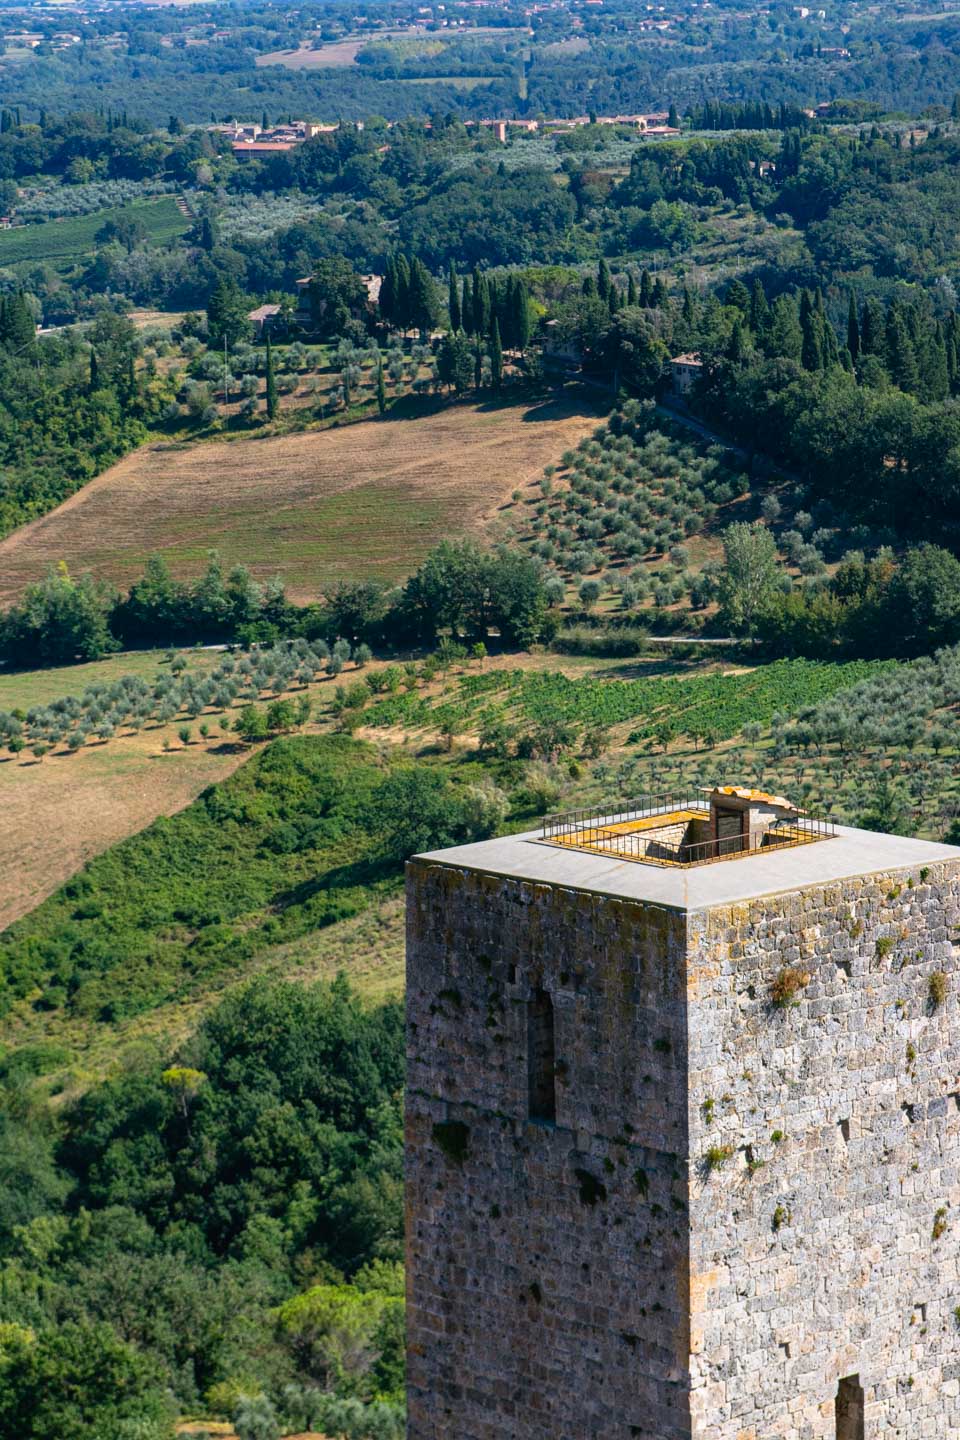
683 1130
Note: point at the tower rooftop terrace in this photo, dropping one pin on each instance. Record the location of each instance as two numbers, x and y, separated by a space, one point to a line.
602 854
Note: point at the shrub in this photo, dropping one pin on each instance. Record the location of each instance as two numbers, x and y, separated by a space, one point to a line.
937 988
717 1156
787 986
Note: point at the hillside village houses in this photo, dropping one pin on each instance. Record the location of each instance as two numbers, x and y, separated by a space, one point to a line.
254 142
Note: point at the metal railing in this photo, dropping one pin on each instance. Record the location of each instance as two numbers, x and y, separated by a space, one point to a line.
609 833
645 807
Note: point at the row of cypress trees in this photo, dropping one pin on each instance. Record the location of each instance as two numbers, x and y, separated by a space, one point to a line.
486 301
408 296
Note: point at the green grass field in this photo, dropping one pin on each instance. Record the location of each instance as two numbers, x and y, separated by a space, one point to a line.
19 689
76 235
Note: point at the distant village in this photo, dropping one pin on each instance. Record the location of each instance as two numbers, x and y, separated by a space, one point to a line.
256 142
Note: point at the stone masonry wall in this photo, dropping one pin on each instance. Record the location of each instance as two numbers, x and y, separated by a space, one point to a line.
825 1170
547 1265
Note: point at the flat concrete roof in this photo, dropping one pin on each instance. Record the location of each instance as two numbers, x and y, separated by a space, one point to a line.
844 855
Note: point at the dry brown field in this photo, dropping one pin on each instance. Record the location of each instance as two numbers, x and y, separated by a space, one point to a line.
60 812
339 54
315 507
334 56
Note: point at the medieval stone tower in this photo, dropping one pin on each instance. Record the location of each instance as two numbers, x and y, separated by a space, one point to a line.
683 1130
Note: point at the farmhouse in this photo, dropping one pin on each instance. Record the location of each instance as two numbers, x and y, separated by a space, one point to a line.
262 318
684 371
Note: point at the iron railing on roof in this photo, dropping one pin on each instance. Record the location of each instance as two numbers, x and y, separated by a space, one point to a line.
610 833
643 808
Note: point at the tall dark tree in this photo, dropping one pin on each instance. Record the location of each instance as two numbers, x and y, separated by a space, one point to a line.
759 309
273 402
228 312
853 329
520 314
454 308
603 279
496 357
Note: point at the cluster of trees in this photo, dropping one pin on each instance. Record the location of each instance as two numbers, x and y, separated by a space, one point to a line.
61 619
408 296
68 408
756 115
867 607
251 1186
630 493
460 587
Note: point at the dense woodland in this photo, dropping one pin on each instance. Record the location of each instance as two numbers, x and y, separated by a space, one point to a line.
889 58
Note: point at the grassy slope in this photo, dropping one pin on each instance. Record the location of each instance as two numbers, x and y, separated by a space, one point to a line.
369 499
233 883
23 688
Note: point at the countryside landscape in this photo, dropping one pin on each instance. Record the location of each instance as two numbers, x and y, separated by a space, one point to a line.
417 422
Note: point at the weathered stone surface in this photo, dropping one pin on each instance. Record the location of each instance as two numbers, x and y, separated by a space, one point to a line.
657 1263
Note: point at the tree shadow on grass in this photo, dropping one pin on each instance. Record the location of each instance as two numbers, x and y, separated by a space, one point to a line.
374 870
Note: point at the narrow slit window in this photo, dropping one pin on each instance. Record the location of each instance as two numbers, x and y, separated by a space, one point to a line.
850 1409
541 1058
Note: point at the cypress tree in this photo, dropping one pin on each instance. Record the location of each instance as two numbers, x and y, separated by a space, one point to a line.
486 307
477 363
872 328
521 315
660 296
476 303
689 310
950 343
603 279
387 299
94 371
936 373
853 329
453 300
810 350
401 316
759 309
422 308
18 332
381 390
273 403
646 289
901 357
736 349
496 357
613 299
631 289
